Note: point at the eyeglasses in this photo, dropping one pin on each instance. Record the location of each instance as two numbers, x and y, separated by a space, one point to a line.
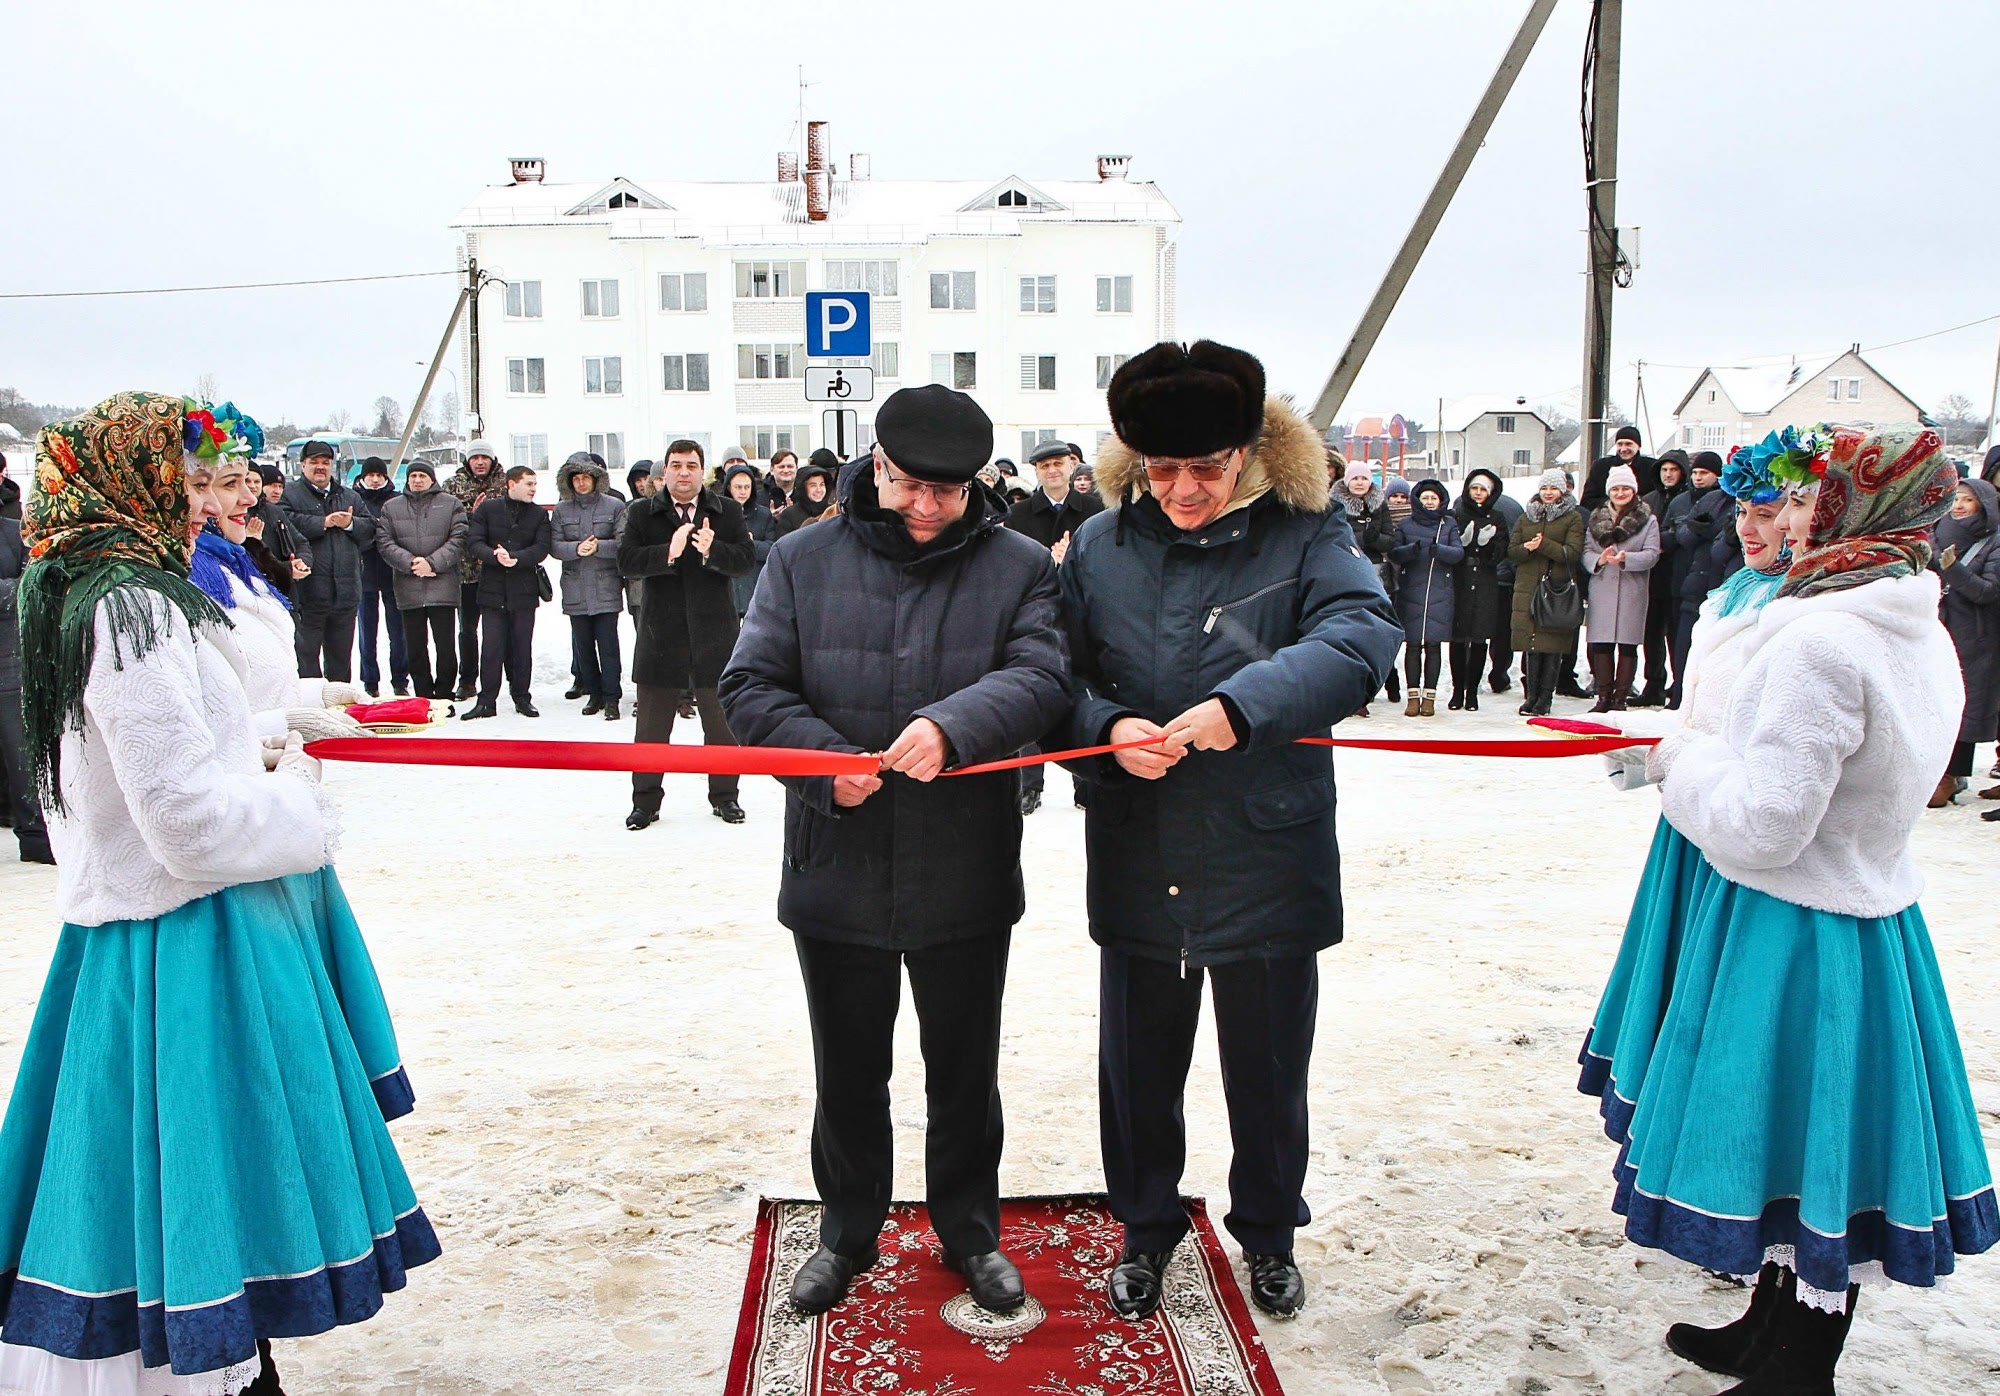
943 494
1212 467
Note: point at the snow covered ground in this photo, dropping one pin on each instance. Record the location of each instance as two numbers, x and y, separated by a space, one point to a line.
608 1041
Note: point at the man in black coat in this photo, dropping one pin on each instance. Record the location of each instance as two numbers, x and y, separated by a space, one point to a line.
337 532
688 544
510 536
273 544
1219 610
1050 516
1704 527
1624 451
911 624
378 591
17 778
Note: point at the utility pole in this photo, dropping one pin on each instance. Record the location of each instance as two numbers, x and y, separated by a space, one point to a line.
1362 342
474 418
1608 265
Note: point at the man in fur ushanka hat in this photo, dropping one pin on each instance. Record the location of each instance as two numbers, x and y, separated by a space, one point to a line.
1219 609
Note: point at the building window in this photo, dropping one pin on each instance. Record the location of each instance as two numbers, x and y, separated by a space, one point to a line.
604 377
770 361
1712 436
684 373
684 291
1504 426
1038 295
1687 436
1520 457
1456 456
770 280
759 442
1038 373
1011 198
1854 390
1833 390
1032 437
600 299
960 370
610 445
887 360
1711 395
1108 364
954 290
526 376
698 437
531 451
876 278
1114 295
524 300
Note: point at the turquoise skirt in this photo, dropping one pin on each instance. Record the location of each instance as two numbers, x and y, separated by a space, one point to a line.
194 1156
1777 1076
318 899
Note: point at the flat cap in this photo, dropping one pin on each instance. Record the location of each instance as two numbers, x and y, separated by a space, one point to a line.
934 433
315 448
1049 450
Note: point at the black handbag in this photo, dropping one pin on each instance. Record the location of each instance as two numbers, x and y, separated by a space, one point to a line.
543 586
1554 607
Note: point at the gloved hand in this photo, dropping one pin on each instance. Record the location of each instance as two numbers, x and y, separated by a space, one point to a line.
271 748
1627 768
317 724
334 694
293 757
1485 534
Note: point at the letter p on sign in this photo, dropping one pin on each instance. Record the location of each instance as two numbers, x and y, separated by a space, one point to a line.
837 325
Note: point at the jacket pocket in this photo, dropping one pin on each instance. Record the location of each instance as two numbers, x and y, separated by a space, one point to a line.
1215 613
1283 806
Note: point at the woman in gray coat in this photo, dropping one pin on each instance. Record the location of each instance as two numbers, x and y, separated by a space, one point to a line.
421 535
584 538
1621 547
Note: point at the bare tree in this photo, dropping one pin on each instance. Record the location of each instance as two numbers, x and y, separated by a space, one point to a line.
1960 421
447 413
206 387
388 417
338 419
1563 428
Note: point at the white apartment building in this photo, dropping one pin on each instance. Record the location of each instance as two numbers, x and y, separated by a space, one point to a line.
637 311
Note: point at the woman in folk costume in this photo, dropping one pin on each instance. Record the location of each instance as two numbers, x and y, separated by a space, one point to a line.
280 701
1802 1109
192 1162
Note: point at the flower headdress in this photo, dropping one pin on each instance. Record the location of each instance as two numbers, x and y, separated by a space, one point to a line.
1783 460
212 433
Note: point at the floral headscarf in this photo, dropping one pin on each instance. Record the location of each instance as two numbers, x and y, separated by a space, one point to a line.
108 522
1881 492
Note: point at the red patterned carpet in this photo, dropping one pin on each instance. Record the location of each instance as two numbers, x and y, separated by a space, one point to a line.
907 1327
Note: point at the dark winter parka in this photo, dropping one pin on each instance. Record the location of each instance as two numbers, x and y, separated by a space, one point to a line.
802 510
591 586
1482 614
471 491
763 526
1427 552
375 573
1273 609
523 530
426 524
334 554
854 632
1970 609
1705 540
687 616
1560 527
1380 536
1660 581
13 560
1035 517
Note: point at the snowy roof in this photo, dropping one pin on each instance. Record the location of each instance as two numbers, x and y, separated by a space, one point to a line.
1757 388
1461 413
867 210
1572 453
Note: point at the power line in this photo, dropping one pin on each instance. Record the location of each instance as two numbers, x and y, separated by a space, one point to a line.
1766 360
237 286
1986 319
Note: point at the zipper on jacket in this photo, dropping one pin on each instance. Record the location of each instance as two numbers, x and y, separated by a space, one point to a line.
1215 612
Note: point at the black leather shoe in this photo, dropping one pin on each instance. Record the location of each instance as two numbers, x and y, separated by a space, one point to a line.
1499 683
401 690
611 713
573 694
1136 1282
593 707
1276 1286
526 708
465 691
994 1282
639 819
1031 801
479 710
823 1280
727 810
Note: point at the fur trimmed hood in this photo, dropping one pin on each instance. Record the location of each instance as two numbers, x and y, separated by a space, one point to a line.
1288 460
566 492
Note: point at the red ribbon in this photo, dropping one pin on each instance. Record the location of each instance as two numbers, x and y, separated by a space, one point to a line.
671 759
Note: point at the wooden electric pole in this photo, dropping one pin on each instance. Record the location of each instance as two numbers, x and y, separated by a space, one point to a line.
476 419
1608 267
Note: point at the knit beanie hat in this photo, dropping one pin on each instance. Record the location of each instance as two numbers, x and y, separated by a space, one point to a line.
1628 432
1359 470
1621 475
1553 478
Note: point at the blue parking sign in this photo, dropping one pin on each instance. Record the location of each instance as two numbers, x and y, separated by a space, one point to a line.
837 325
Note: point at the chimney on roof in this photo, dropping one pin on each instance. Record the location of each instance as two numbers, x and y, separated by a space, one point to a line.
526 169
1855 348
819 177
788 167
858 167
1110 167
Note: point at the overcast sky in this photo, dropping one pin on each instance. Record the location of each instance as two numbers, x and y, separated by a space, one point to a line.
1806 173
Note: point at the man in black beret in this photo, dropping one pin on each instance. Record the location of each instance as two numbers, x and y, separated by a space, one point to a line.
1218 610
911 624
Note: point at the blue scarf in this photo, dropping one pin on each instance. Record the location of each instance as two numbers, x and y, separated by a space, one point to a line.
216 559
1748 589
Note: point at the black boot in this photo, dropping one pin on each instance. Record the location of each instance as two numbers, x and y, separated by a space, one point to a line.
1601 682
1621 682
1805 1347
1472 698
267 1373
1737 1349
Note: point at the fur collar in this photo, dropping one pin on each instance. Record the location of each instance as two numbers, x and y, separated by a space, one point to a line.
1289 460
1610 528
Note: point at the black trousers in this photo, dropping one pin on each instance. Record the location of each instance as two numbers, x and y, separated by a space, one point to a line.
468 630
1421 663
853 993
422 626
379 603
1265 1011
1503 657
1961 759
17 779
653 711
1660 618
594 655
325 644
1468 664
507 639
1683 641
